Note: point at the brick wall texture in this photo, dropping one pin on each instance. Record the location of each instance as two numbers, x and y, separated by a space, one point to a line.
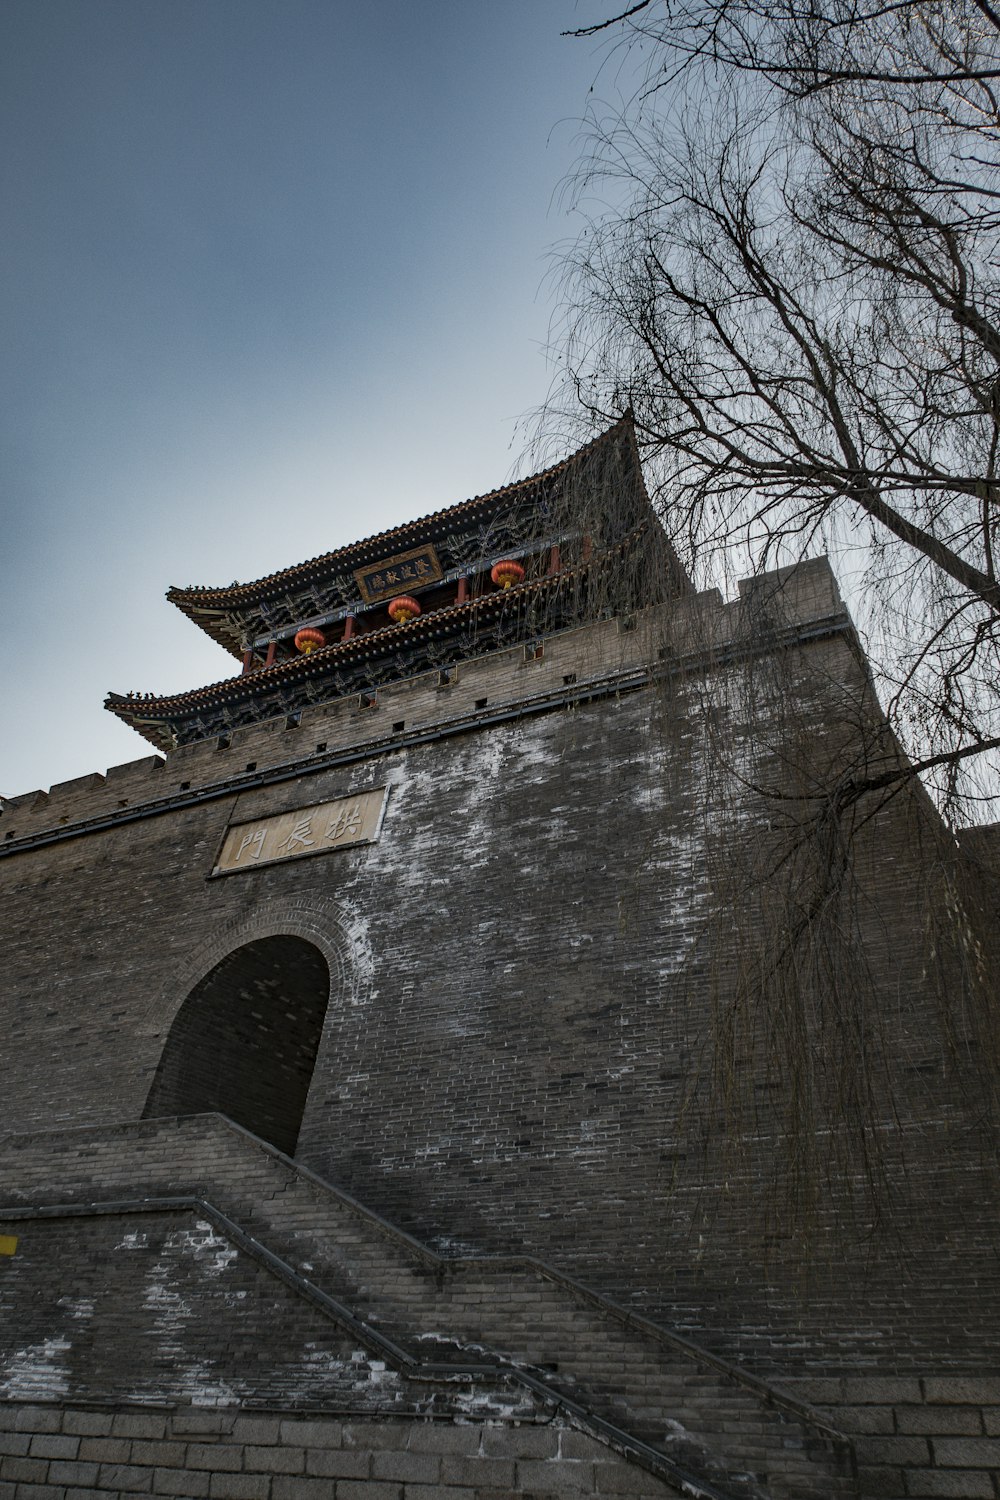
548 1018
275 1455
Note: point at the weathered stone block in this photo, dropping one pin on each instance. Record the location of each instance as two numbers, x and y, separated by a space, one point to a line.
881 1483
892 1450
227 1456
38 1419
943 1420
443 1437
139 1424
491 1473
299 1488
966 1484
451 1492
568 1477
105 1450
168 1454
181 1482
882 1390
275 1459
520 1442
866 1419
373 1436
73 1472
87 1423
240 1486
964 1390
125 1477
967 1453
573 1444
414 1468
623 1478
253 1429
194 1419
338 1463
24 1470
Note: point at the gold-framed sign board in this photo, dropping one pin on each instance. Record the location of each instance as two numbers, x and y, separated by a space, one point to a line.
410 570
320 829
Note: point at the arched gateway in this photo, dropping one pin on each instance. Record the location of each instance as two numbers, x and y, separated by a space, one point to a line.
244 1042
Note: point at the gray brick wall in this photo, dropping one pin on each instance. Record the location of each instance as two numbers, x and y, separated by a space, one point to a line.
156 1303
938 1435
523 971
49 1453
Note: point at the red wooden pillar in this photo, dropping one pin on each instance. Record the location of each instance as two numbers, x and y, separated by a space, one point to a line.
348 628
586 548
247 662
272 647
463 590
554 562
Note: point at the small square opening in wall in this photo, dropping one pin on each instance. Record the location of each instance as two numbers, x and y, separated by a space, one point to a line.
626 623
481 702
185 786
534 651
446 676
9 834
223 742
292 721
568 679
368 700
251 765
321 746
399 726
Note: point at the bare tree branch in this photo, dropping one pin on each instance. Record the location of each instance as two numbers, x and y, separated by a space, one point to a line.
612 21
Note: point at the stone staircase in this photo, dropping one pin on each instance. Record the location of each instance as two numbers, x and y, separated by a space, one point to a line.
699 1422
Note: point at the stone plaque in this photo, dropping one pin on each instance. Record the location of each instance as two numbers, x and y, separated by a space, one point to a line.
307 830
410 570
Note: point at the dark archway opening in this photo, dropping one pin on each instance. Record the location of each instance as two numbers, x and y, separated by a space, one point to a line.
244 1042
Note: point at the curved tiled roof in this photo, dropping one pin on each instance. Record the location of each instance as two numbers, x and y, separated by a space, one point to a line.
193 600
132 708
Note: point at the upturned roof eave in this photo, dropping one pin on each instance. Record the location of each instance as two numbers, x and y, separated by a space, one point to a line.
143 713
222 602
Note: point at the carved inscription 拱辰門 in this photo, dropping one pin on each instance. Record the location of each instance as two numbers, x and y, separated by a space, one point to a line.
410 570
306 830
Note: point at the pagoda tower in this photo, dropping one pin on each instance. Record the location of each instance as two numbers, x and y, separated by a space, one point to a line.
515 565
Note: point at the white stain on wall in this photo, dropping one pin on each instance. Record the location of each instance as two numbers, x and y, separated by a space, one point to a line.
37 1372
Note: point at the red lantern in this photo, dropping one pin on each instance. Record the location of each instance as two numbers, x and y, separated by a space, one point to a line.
507 573
309 640
402 609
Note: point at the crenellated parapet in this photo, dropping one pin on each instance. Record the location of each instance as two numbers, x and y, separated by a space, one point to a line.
577 663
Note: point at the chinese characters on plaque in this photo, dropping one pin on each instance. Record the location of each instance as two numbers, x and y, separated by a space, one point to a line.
396 574
307 830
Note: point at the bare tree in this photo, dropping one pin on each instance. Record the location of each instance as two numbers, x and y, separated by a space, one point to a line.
804 49
789 270
796 290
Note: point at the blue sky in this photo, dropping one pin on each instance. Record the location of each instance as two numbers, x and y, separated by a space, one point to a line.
275 278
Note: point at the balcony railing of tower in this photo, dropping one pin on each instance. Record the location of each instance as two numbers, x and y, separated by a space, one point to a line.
456 586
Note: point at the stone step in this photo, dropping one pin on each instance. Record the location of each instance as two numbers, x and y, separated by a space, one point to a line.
742 1438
